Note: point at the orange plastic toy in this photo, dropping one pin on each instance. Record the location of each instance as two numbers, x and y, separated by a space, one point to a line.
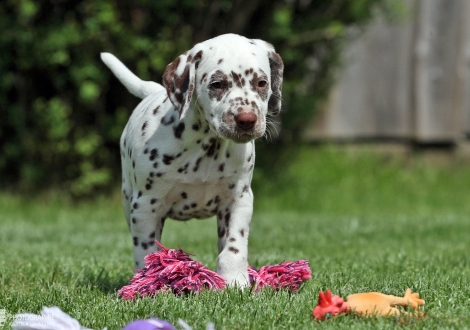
366 304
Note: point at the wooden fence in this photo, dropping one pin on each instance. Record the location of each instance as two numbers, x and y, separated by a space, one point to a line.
407 80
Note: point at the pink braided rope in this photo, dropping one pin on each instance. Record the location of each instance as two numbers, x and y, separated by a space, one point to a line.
172 270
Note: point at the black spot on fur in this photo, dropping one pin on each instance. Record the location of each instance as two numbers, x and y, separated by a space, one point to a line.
167 159
221 232
178 130
136 206
134 220
227 218
136 241
153 201
153 154
242 232
144 245
148 186
152 234
196 165
211 150
231 186
184 195
184 168
221 167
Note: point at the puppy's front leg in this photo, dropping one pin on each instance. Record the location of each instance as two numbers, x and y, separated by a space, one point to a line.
233 226
146 225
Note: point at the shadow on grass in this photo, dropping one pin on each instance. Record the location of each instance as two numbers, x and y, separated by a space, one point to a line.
103 281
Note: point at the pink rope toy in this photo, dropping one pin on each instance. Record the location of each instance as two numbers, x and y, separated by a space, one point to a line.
172 270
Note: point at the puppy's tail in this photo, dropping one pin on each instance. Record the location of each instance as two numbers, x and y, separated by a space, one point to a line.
134 84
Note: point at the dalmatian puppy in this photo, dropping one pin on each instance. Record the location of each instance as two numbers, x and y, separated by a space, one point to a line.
188 149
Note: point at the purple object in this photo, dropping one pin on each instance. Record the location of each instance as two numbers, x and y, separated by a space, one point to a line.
150 324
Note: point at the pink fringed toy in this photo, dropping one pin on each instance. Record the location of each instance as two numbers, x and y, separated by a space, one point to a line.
172 270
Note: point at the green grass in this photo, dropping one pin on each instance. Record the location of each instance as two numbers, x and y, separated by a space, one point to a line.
365 223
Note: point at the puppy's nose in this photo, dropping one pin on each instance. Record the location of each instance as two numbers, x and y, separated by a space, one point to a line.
246 120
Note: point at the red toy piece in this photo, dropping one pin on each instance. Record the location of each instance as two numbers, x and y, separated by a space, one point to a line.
286 275
172 270
366 304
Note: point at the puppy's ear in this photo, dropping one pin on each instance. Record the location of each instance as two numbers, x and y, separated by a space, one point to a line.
179 80
277 69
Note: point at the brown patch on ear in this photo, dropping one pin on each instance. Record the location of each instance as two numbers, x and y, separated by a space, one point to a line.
277 69
197 58
180 87
169 75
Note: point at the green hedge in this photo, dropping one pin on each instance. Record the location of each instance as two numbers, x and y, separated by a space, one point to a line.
62 112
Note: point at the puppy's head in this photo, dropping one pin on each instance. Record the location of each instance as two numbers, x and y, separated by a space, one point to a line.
236 82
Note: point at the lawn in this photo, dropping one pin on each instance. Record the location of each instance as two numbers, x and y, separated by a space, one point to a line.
365 222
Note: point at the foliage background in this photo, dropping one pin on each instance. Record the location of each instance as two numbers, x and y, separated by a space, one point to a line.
62 112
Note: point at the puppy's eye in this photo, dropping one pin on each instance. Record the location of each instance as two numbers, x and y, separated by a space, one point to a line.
217 85
262 83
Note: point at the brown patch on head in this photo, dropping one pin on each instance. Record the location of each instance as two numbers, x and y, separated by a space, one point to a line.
218 85
260 85
237 78
203 77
